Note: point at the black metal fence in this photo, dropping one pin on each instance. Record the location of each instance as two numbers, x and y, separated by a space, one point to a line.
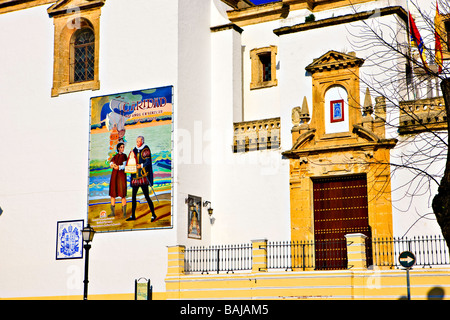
319 255
428 250
314 255
218 258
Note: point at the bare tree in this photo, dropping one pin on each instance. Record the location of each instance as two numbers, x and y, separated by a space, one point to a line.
396 70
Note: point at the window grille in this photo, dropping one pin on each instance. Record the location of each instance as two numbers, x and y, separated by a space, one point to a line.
266 66
84 56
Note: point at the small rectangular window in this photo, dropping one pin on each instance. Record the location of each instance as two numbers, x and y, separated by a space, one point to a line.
263 67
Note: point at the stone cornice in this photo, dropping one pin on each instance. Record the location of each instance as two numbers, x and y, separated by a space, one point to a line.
258 14
229 26
237 4
14 5
399 11
9 3
298 153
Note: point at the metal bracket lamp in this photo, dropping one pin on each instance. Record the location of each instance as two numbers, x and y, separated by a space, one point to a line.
210 210
87 234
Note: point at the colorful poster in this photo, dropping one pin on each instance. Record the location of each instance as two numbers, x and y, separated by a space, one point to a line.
130 160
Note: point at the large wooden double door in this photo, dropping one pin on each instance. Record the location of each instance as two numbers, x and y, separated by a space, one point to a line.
340 208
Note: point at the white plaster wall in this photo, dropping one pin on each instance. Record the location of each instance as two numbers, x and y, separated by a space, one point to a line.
252 198
259 103
296 51
254 187
219 13
420 164
193 131
250 190
143 44
46 140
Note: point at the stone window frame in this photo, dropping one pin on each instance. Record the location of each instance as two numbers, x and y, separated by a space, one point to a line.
257 72
73 57
66 26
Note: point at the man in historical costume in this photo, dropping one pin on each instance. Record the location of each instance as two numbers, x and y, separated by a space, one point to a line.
143 178
118 182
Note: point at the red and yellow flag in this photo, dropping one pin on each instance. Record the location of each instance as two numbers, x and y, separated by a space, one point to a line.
417 39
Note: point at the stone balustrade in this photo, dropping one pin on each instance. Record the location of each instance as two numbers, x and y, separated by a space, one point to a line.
422 115
257 135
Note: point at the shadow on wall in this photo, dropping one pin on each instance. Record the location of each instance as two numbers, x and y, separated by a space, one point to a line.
436 293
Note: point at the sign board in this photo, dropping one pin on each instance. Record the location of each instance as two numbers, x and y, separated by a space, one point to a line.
407 259
142 290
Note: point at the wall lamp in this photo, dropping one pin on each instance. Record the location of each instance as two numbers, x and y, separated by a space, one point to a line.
210 210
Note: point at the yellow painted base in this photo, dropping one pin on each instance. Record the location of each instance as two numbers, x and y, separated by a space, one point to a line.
338 285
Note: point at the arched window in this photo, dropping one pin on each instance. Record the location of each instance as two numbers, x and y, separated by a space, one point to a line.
83 55
76 49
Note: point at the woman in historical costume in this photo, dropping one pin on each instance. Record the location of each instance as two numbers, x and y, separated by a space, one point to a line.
118 183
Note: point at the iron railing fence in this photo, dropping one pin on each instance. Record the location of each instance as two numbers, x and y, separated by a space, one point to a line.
428 250
218 258
316 255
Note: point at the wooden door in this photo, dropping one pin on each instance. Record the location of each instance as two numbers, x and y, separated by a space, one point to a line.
340 208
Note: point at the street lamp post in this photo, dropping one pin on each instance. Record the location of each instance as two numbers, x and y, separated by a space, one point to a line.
88 234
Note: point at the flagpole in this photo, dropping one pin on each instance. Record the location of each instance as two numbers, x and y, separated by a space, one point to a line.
408 35
438 56
407 31
437 39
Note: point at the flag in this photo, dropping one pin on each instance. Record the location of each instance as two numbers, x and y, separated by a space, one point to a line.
437 42
417 39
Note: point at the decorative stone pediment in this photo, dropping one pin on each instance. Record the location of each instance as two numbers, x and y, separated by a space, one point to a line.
340 139
70 6
335 77
333 60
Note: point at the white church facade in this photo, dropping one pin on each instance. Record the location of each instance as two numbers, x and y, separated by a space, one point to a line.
263 123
